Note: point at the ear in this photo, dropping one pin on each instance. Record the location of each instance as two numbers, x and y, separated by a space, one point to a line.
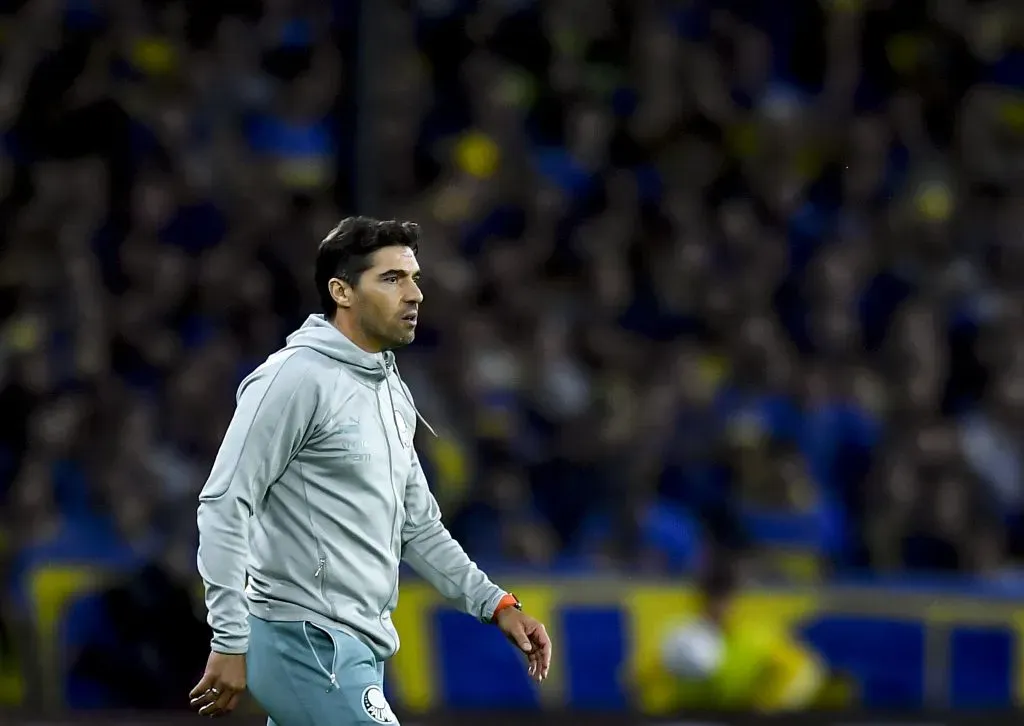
341 291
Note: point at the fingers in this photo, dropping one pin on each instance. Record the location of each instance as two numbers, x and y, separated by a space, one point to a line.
206 699
203 686
218 692
534 666
222 703
520 637
541 655
217 700
531 637
218 707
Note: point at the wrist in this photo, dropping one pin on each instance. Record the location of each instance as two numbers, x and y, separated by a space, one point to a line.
508 601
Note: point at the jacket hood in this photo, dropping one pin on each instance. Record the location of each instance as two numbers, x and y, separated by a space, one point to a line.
320 335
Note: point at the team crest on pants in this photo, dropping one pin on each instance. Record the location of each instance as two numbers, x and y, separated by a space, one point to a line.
376 706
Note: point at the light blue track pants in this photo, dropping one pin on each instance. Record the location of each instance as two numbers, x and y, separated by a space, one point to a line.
305 675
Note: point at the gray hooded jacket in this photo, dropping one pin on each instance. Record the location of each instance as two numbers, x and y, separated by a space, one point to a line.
317 494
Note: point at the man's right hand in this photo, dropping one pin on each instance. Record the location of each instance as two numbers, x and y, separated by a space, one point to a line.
222 685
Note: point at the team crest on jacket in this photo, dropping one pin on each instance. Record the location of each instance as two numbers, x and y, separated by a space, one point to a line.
376 706
403 431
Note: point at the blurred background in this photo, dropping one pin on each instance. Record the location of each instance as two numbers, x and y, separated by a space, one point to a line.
707 281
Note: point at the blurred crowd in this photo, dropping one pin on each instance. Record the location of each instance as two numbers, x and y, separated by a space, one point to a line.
697 271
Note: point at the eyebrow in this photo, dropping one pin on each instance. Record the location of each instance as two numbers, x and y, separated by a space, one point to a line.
399 273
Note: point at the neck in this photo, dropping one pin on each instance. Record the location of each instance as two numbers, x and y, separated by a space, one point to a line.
355 333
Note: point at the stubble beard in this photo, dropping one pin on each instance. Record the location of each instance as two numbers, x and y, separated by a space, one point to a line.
391 336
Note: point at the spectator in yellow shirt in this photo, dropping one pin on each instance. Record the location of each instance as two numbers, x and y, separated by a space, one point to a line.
717 661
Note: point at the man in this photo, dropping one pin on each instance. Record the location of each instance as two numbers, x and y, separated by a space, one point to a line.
315 497
723 661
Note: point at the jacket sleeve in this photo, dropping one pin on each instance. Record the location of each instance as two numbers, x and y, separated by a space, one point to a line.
272 420
431 551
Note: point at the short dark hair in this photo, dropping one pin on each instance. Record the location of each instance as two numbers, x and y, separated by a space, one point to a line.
346 250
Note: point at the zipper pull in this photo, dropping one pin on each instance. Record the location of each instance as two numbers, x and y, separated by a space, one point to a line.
320 567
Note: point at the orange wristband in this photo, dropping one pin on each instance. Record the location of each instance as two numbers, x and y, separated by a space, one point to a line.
508 601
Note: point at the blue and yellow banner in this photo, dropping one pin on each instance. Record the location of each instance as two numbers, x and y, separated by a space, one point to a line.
895 649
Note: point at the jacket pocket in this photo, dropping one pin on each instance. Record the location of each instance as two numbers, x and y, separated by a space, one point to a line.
326 657
321 573
321 568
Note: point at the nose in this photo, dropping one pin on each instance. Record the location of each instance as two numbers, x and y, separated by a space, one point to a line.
414 294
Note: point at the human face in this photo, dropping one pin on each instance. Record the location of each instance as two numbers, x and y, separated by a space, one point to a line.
388 298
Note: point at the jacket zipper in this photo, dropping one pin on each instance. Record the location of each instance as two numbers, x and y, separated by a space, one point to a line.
391 479
321 562
321 574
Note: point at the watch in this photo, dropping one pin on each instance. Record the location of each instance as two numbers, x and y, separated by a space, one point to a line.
508 601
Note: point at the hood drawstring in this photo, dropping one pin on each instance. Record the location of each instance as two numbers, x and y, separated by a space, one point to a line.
318 334
405 392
